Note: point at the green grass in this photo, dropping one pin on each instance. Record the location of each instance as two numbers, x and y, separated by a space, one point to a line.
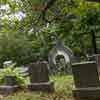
63 87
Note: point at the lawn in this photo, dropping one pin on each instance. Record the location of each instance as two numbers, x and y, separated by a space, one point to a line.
63 87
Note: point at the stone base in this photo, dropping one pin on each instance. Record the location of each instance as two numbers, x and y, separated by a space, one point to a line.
86 93
43 86
6 90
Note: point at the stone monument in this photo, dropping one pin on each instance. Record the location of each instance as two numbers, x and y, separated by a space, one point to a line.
39 77
60 50
10 85
86 78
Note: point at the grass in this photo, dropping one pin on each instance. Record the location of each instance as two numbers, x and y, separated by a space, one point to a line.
63 87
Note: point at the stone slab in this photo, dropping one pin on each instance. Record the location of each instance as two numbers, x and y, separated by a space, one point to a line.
43 86
39 72
86 93
86 74
6 90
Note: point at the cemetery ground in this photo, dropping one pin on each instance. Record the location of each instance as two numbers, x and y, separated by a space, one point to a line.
63 91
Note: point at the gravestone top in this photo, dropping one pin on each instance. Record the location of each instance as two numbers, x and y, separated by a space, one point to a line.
81 63
85 74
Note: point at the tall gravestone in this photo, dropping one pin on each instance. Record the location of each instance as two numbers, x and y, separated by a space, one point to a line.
39 77
86 78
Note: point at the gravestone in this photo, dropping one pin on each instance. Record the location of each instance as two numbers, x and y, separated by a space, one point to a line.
86 78
39 77
9 86
60 50
95 57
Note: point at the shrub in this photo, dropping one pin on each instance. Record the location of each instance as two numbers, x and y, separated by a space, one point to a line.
16 47
11 71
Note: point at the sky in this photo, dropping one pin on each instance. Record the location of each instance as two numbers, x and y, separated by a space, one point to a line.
19 14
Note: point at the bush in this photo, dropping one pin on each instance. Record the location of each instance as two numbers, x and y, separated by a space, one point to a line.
11 71
16 47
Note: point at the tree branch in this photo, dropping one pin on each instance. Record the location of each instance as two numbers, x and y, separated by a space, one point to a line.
48 4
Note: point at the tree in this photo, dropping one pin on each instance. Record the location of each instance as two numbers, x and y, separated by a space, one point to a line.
45 21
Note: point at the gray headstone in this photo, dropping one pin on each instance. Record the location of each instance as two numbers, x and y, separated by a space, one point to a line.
60 50
86 78
39 77
38 72
85 75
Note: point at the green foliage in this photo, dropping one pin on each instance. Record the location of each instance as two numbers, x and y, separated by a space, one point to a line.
74 20
11 71
63 91
16 47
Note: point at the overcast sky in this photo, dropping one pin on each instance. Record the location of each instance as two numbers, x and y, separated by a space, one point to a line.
19 14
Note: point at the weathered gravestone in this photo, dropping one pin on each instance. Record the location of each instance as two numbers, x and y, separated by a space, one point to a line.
10 85
39 77
87 84
95 57
60 51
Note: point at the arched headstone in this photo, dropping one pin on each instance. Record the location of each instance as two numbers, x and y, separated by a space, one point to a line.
60 50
